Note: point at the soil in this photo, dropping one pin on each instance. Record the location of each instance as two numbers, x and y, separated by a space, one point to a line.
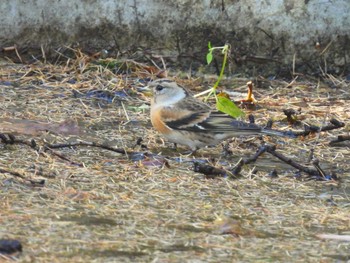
85 178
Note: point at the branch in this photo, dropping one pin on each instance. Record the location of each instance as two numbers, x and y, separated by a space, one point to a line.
17 174
339 140
252 159
334 124
91 144
210 171
272 150
316 172
11 139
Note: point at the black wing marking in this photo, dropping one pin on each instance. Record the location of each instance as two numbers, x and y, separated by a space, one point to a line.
217 122
189 122
221 122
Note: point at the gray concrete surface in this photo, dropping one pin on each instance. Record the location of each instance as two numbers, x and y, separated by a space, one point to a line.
264 34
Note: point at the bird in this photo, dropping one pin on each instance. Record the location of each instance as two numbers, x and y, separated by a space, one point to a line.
183 119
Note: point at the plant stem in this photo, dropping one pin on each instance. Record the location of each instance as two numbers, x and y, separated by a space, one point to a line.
225 51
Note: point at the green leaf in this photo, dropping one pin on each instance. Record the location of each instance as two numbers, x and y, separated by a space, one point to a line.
209 45
227 106
209 57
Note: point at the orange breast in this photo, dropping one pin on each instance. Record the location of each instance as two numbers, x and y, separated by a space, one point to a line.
157 122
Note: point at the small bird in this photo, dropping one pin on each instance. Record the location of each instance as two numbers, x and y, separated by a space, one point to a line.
183 119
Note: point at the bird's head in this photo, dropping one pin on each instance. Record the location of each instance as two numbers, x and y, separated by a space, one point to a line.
167 92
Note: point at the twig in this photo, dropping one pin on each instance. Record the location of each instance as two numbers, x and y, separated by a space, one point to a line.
19 175
326 48
125 112
91 144
340 138
272 150
334 124
11 139
17 53
316 164
237 169
317 172
293 65
211 171
61 156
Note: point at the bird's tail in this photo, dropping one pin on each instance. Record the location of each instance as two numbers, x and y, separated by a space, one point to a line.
272 132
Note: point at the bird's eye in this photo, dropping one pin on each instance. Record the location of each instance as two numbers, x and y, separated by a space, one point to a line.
159 88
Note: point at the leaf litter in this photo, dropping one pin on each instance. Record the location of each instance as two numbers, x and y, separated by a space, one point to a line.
109 196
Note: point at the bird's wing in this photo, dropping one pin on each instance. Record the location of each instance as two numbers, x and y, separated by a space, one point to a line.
183 119
199 118
194 115
186 115
220 122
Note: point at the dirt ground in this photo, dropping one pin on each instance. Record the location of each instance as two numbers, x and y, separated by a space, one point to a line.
144 202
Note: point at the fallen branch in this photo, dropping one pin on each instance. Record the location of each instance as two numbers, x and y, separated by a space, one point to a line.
334 124
46 147
316 172
91 144
237 169
61 156
272 150
11 139
340 139
210 171
292 119
19 175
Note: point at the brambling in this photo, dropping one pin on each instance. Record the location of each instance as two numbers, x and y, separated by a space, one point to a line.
183 119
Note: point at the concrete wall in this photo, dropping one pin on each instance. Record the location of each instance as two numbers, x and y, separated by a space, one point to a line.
264 34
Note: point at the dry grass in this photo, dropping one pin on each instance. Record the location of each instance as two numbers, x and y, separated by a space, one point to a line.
115 208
